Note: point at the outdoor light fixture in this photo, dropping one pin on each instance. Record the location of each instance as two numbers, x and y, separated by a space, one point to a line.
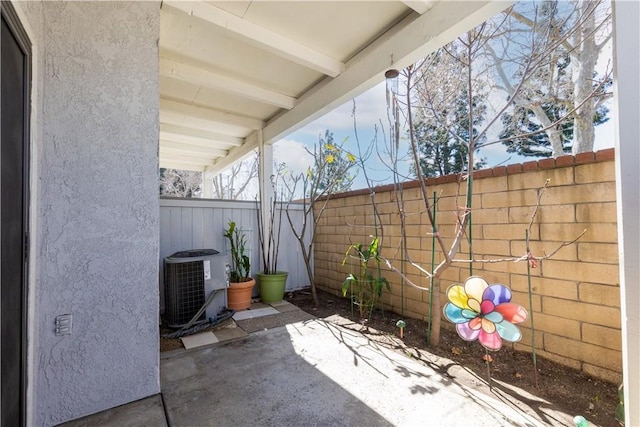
391 73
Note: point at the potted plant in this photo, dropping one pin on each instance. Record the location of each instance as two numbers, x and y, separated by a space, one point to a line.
240 283
272 282
365 288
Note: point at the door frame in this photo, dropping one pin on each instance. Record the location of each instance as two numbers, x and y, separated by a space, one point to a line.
8 12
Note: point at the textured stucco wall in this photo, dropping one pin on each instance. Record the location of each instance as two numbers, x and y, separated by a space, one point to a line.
95 206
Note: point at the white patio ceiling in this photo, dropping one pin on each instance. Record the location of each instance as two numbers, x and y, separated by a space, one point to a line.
234 72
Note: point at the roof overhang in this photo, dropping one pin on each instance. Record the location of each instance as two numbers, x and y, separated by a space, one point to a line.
231 71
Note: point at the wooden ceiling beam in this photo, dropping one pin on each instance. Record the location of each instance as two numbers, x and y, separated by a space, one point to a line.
258 36
181 148
235 155
209 115
170 164
193 136
202 77
409 41
420 6
186 160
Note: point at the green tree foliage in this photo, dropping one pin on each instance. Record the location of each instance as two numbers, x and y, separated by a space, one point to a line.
562 100
535 142
331 170
449 116
529 75
444 149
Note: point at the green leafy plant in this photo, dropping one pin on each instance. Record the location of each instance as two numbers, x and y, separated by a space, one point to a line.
240 264
365 287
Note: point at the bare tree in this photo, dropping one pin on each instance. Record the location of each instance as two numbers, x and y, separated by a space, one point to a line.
441 129
558 44
329 174
433 96
233 183
180 183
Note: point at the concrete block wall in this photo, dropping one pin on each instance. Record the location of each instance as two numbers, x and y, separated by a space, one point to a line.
575 293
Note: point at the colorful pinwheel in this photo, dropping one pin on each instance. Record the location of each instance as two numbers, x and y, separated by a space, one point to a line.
484 313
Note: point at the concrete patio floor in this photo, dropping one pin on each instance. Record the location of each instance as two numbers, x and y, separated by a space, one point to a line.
317 372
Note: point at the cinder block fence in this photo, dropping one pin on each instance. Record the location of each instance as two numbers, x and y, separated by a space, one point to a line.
575 293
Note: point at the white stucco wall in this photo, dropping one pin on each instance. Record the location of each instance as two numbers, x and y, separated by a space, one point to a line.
94 206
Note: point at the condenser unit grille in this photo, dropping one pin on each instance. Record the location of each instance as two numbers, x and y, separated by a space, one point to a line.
185 294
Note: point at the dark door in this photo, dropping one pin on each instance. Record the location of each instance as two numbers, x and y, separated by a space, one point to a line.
14 136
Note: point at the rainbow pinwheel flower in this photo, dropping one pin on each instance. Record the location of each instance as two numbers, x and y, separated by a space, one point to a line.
484 313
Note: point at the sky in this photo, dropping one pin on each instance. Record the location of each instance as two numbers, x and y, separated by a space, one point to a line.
371 110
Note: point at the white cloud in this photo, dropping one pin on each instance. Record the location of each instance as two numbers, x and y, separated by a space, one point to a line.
370 109
605 134
292 153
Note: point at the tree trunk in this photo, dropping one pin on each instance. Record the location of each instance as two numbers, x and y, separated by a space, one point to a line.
552 133
586 55
314 292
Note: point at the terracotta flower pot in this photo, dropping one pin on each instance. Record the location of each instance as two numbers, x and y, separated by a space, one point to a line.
239 295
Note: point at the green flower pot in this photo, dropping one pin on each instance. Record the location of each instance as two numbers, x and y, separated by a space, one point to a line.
272 286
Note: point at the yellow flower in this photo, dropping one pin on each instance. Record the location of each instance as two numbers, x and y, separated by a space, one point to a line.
330 158
330 147
351 157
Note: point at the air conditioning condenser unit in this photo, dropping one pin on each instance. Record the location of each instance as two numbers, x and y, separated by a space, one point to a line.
189 279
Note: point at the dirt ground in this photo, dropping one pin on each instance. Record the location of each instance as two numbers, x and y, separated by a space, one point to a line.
571 390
